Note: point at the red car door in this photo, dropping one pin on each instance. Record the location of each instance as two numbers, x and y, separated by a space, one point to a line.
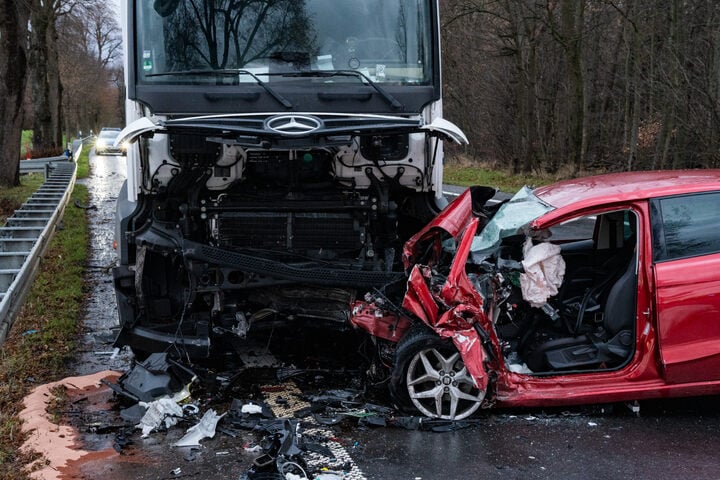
686 254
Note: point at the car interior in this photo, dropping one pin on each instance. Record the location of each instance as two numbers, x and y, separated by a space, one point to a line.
591 321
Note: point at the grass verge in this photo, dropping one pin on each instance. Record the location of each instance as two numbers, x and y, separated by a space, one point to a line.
466 173
83 168
43 337
11 198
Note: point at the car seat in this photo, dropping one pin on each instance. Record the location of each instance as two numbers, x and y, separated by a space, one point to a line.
606 347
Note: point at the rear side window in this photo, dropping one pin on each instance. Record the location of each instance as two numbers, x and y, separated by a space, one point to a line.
686 226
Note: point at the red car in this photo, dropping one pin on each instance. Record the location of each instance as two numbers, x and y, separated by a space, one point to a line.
593 290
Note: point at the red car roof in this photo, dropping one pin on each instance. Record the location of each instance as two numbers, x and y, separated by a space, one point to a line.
617 187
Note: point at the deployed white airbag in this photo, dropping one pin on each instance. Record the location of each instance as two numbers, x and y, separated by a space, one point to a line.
544 272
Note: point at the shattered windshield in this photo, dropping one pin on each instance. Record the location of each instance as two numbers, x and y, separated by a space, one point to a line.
386 40
522 209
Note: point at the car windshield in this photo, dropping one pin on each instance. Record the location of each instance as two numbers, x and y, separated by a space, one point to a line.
109 134
517 213
386 40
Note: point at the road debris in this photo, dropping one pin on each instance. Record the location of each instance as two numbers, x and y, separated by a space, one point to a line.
293 429
204 429
155 377
162 411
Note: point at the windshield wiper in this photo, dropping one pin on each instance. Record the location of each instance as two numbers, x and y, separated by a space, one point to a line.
348 73
228 72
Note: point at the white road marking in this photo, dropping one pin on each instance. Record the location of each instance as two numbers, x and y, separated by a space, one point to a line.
292 402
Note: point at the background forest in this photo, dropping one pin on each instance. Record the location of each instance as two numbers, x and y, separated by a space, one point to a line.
539 86
567 86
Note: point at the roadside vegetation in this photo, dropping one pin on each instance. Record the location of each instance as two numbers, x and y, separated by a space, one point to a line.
27 147
43 337
466 173
584 86
83 168
11 198
25 142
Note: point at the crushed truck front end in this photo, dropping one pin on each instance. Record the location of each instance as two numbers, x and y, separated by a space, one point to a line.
280 155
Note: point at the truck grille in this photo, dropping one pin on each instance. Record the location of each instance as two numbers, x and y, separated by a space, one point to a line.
290 231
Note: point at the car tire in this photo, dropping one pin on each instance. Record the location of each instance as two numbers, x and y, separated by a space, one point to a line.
430 377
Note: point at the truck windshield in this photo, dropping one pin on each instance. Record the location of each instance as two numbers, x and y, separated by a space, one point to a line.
388 41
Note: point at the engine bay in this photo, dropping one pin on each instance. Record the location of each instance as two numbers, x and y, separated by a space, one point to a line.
228 236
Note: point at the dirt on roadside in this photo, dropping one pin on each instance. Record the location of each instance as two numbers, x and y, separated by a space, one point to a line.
7 208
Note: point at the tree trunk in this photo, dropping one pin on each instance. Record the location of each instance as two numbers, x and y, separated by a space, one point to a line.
671 91
677 55
632 90
572 14
525 57
530 102
56 88
45 84
635 115
13 78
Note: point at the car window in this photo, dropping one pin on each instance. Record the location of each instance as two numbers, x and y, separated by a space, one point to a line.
618 226
686 226
580 228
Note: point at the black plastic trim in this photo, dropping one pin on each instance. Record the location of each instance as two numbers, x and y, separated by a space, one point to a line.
302 274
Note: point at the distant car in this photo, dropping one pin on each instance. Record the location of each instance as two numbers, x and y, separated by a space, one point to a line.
593 290
104 143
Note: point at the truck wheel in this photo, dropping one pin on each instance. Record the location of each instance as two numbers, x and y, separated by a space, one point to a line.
430 377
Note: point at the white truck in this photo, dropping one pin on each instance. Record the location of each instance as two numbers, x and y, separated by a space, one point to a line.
279 154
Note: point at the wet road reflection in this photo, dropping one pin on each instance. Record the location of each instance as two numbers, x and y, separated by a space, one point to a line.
107 174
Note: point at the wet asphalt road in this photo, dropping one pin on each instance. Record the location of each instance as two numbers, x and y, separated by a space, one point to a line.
669 439
107 174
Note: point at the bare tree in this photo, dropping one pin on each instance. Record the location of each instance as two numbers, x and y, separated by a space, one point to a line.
46 89
90 47
13 77
590 84
103 32
572 20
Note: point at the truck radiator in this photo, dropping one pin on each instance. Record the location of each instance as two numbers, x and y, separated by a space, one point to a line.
290 231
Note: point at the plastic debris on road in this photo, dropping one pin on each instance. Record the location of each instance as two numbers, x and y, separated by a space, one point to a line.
163 410
204 429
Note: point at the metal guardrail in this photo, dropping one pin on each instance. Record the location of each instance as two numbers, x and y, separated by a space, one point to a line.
26 235
40 164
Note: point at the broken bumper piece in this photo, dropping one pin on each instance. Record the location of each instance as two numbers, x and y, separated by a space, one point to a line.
146 340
